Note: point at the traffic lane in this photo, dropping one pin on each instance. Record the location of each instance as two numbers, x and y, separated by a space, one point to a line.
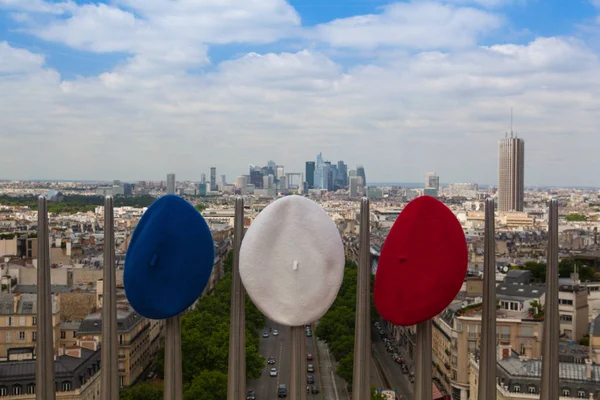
392 369
282 360
310 349
274 346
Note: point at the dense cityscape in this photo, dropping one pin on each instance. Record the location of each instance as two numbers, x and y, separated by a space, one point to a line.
76 256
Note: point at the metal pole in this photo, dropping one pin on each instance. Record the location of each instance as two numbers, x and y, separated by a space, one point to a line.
173 379
487 365
298 366
110 384
361 380
423 362
550 363
236 383
44 363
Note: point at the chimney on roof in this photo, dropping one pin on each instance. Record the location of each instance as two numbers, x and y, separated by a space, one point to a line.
588 369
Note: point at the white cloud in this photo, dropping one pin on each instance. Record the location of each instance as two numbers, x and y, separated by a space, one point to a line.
38 6
415 25
18 61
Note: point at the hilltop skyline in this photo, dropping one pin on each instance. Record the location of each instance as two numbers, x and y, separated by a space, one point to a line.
401 87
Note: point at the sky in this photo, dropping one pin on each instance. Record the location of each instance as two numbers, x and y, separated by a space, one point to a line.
135 89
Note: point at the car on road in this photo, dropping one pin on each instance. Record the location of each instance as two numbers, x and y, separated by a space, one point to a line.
404 369
275 332
310 379
265 334
251 395
310 368
309 356
314 389
273 372
271 360
281 391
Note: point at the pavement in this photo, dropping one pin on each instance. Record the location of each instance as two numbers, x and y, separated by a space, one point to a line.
279 347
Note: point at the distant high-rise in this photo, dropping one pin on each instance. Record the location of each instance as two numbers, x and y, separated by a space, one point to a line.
432 181
170 183
241 182
354 186
360 171
213 179
310 174
511 173
223 179
342 174
202 178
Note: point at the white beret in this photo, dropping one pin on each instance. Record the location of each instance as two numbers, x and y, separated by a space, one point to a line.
292 261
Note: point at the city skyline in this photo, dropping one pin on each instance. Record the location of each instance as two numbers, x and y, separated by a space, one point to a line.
420 86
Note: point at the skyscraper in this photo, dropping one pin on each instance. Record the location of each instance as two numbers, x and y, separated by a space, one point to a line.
360 171
310 174
354 186
202 178
432 181
511 173
342 174
213 179
170 183
223 179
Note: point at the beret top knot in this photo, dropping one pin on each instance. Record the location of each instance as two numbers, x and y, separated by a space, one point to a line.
169 260
292 261
422 264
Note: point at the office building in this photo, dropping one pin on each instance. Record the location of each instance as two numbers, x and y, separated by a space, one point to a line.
342 174
202 178
213 179
360 171
202 189
310 174
511 173
170 183
241 181
432 181
354 186
223 180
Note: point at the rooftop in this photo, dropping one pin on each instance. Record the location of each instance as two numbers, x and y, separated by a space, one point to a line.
533 369
126 320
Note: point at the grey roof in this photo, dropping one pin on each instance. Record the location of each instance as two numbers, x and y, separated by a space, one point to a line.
27 304
126 320
70 325
533 369
33 289
519 292
63 364
596 326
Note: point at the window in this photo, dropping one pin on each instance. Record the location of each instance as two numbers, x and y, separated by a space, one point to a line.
22 335
517 388
74 334
532 390
472 346
8 337
33 336
34 321
121 381
66 386
22 321
17 390
3 391
9 321
565 302
526 331
120 339
581 394
31 388
566 392
63 334
566 318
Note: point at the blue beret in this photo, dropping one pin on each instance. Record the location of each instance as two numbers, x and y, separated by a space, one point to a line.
169 260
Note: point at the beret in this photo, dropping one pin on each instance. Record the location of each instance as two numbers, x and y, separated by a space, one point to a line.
422 264
169 259
292 261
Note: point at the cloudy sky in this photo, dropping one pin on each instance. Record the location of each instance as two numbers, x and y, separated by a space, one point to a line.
134 89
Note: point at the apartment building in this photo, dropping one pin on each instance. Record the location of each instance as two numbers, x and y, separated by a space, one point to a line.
135 341
519 379
573 308
18 325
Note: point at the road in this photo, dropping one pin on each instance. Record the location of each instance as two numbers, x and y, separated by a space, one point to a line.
391 369
279 347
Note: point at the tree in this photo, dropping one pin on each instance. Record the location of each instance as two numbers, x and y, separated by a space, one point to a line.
573 217
375 395
142 391
208 385
200 207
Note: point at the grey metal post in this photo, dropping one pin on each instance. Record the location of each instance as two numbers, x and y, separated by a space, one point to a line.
550 363
423 379
361 381
44 363
110 384
173 377
236 383
298 366
487 365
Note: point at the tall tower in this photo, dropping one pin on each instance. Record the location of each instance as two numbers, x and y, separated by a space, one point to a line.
511 173
310 174
360 171
432 181
213 179
170 183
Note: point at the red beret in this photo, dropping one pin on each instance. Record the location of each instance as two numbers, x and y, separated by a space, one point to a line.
422 264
